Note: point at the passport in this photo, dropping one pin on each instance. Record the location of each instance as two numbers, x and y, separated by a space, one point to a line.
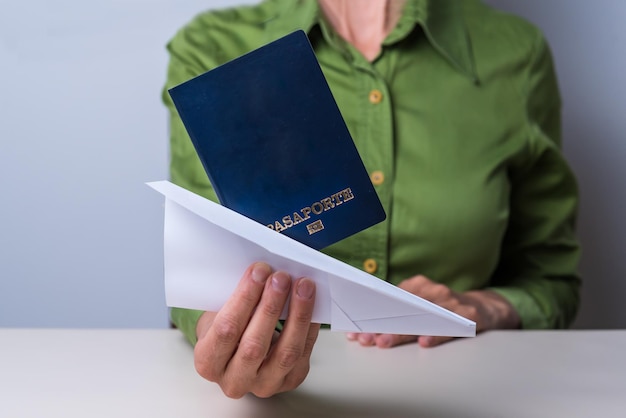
275 146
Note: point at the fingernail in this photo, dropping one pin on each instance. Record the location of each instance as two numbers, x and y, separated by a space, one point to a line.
281 281
260 272
305 289
351 336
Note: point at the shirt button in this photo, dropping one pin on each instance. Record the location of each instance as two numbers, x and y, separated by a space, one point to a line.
377 177
370 265
376 96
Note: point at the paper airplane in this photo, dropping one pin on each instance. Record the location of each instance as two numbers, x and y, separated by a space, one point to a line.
207 247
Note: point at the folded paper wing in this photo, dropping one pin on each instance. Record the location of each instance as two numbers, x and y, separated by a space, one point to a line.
207 247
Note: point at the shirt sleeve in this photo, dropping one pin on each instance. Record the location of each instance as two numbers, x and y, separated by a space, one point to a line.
537 272
186 321
185 167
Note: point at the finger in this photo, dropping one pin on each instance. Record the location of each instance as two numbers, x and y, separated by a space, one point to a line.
366 339
392 340
454 304
214 351
415 284
301 369
357 336
295 342
241 373
311 338
434 292
291 345
427 341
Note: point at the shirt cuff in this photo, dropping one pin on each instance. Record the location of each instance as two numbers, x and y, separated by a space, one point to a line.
531 315
186 321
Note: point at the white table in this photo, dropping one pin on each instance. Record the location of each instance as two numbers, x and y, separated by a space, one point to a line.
149 373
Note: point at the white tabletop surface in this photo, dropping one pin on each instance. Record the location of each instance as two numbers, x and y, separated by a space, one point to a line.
149 373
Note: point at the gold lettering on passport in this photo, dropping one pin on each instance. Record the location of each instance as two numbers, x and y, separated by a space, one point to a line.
314 227
316 208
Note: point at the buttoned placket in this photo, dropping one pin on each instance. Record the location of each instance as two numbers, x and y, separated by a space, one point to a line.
376 140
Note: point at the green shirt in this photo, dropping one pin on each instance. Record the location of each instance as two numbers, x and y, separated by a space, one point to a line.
458 122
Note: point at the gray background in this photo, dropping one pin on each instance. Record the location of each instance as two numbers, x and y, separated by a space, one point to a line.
82 128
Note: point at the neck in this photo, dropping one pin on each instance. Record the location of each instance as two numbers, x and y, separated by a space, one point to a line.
364 24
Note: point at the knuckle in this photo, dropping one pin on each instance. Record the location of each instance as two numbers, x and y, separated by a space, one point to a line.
302 316
288 357
226 329
295 379
204 370
252 351
415 282
442 290
471 311
272 309
232 391
264 392
421 278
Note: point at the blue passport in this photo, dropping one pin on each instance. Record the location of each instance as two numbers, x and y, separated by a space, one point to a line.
275 146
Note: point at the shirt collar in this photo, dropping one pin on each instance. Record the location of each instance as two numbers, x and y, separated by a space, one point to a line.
441 20
447 32
292 15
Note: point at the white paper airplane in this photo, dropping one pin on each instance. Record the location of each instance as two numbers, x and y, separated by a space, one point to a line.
207 247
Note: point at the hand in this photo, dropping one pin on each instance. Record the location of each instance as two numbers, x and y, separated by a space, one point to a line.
238 348
488 309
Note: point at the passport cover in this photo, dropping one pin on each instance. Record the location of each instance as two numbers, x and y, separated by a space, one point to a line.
275 146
